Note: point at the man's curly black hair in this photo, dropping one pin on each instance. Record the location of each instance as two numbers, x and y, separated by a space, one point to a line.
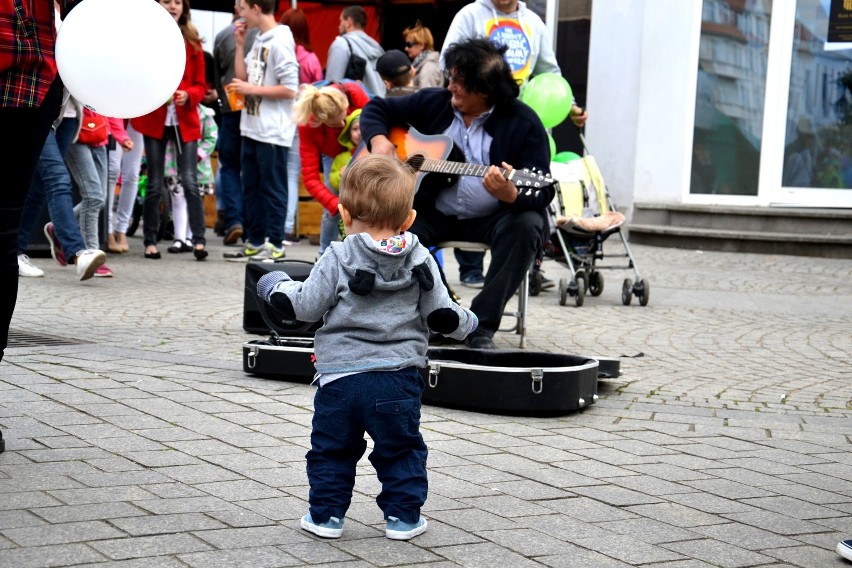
479 65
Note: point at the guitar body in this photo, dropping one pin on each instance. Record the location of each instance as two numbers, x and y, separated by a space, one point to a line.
412 145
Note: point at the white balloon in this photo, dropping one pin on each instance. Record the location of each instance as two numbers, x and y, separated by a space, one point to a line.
121 58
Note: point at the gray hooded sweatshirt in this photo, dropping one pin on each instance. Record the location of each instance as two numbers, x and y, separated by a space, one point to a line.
363 45
375 299
530 51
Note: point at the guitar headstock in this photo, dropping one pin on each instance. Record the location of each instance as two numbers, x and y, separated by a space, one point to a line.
531 178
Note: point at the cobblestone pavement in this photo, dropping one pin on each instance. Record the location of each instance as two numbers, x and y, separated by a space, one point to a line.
726 442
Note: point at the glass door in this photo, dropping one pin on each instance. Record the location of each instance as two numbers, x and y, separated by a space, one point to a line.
809 163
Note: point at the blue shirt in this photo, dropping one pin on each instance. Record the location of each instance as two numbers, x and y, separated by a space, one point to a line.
468 198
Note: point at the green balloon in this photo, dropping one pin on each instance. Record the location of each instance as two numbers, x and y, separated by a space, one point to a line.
552 146
550 96
565 157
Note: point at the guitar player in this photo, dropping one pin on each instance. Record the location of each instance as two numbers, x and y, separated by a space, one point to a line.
480 111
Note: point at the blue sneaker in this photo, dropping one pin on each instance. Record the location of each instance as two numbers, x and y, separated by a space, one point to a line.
398 530
332 528
476 280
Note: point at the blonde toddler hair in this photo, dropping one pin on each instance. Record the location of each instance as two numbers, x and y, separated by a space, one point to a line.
321 104
378 190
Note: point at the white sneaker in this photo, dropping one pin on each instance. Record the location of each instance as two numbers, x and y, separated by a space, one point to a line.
27 268
88 260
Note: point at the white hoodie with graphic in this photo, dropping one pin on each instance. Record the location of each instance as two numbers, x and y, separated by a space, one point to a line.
530 52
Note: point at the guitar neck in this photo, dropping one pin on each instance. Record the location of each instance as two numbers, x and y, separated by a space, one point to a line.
456 168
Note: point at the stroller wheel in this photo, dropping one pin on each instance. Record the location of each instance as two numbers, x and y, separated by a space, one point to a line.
581 290
642 292
563 292
596 283
627 291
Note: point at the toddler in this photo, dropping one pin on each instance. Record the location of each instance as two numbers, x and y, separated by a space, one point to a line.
379 293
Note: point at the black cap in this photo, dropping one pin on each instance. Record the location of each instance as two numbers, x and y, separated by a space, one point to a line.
393 64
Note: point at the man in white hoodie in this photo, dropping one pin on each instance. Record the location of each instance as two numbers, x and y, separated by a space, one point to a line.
354 41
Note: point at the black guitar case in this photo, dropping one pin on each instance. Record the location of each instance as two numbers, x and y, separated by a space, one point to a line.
527 383
258 316
289 358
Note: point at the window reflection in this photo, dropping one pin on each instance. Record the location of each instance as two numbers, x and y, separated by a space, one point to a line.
730 96
817 149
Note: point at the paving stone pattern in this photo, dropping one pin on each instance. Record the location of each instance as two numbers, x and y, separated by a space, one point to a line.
726 441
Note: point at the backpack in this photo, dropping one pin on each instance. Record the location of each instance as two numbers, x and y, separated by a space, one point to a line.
357 65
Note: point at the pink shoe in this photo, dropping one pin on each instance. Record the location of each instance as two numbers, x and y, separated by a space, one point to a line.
103 272
55 248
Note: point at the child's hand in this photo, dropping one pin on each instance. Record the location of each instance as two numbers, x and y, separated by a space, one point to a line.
127 145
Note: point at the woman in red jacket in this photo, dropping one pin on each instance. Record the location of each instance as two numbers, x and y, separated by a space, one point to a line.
321 114
177 120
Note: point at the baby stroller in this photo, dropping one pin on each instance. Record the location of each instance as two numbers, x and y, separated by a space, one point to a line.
584 217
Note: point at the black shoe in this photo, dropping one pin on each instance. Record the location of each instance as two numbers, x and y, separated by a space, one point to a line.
200 253
2 443
479 341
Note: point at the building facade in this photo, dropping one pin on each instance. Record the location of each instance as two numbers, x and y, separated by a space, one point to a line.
722 102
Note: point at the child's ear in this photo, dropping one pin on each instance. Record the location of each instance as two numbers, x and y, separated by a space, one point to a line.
344 215
408 221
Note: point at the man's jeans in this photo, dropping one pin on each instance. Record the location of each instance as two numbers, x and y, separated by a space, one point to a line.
264 176
52 182
386 405
230 191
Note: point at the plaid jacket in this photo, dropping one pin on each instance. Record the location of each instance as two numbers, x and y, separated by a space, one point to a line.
27 59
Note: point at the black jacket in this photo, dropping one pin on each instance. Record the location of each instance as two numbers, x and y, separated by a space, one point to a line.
518 137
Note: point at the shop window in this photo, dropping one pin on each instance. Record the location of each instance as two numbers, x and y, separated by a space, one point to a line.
818 140
730 96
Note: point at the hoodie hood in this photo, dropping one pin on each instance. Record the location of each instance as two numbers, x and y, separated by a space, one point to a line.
365 45
344 138
392 262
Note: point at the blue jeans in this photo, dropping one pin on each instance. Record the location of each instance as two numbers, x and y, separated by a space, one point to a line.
187 158
230 191
88 167
329 226
52 182
386 405
264 174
